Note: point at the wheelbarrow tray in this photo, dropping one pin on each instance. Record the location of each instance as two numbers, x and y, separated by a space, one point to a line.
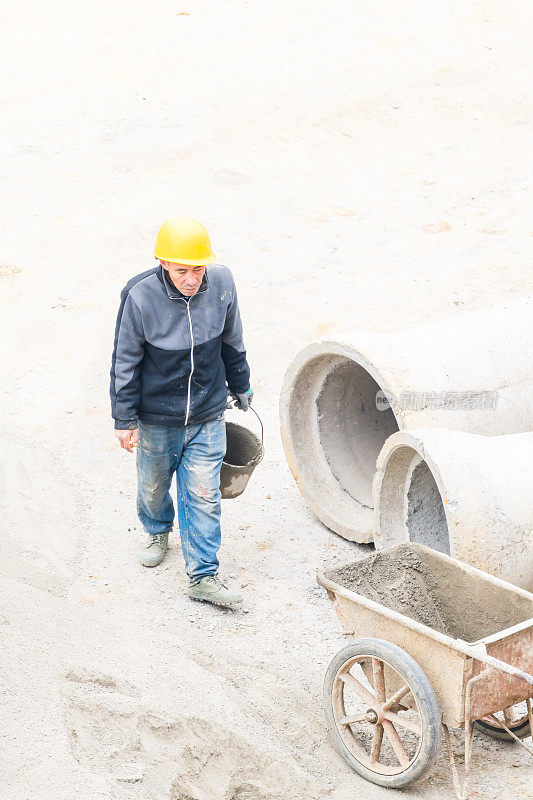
453 619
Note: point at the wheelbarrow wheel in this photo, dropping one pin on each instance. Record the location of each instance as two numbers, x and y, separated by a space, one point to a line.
382 713
515 718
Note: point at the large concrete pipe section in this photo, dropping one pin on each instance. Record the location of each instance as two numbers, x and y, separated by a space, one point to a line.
463 494
471 372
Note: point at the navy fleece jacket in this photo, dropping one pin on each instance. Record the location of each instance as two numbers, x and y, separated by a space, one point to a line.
174 355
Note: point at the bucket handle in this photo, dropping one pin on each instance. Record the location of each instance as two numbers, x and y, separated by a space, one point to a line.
230 405
260 422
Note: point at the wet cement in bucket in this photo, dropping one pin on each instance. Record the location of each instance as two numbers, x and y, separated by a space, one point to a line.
417 583
244 451
242 446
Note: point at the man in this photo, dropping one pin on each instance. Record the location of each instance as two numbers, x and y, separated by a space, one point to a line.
178 349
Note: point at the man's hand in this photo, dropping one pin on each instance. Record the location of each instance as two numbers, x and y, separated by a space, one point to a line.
243 400
128 439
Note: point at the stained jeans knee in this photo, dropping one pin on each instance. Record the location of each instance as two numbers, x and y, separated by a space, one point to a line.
198 487
154 476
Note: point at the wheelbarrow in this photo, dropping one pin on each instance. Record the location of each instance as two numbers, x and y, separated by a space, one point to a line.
439 645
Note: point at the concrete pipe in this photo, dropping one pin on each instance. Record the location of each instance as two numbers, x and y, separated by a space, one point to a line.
463 494
471 372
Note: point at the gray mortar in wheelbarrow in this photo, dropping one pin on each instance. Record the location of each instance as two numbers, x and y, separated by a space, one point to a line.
427 590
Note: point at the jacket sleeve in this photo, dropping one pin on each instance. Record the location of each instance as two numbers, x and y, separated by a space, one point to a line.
128 353
233 351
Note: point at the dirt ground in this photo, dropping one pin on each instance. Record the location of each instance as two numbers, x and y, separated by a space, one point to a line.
356 165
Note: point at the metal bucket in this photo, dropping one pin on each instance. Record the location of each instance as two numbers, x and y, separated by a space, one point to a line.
244 451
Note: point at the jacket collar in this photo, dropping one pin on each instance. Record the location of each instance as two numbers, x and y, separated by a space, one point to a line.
171 290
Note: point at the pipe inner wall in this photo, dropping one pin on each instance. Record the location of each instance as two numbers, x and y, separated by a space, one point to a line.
426 520
352 430
411 508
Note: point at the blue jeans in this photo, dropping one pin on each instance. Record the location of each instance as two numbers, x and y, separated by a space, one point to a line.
195 454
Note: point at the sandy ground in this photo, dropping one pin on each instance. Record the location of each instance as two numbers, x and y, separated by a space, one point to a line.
357 165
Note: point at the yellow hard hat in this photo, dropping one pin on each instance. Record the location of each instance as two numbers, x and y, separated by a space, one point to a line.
184 240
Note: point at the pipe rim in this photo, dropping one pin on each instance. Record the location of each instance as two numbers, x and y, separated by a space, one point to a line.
333 505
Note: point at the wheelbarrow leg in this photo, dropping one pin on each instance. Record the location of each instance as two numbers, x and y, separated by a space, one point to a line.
461 793
469 737
451 757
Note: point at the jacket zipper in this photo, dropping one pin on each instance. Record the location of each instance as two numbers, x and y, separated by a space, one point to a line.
192 362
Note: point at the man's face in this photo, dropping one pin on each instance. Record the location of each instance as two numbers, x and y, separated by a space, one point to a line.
185 278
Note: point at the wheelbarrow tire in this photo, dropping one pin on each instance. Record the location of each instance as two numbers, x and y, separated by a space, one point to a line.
522 730
426 702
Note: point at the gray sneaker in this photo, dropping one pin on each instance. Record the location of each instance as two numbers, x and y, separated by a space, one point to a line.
154 550
212 590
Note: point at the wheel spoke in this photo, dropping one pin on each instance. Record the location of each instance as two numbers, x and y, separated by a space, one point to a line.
351 720
396 742
379 679
396 697
358 688
403 722
376 744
